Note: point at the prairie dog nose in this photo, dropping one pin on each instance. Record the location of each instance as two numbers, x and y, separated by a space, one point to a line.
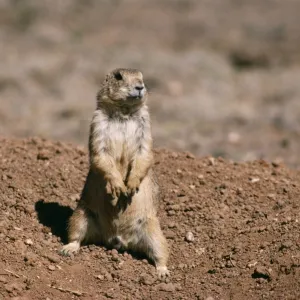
139 87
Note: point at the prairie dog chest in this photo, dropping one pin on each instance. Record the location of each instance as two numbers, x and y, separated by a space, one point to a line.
122 138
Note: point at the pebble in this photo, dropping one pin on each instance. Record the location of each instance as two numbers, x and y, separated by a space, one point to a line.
280 203
43 155
30 258
146 279
3 279
211 161
174 207
108 276
109 295
286 244
171 212
14 287
254 179
239 191
29 242
166 287
53 258
189 237
171 225
20 246
170 235
51 267
252 263
114 255
100 277
190 155
261 272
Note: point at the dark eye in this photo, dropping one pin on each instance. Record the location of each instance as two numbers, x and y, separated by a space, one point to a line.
118 76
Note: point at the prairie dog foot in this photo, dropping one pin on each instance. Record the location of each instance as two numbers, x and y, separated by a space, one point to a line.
162 272
70 248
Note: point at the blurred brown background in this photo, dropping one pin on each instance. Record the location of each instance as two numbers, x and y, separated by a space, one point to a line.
223 74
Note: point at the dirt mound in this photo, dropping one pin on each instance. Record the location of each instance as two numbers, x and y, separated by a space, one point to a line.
242 218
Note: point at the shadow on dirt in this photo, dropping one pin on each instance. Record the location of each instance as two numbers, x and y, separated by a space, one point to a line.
55 216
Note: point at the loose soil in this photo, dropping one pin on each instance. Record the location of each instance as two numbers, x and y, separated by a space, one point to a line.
244 218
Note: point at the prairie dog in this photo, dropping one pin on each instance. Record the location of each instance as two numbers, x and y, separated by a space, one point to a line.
118 202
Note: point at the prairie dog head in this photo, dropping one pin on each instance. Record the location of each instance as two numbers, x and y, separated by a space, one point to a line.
123 87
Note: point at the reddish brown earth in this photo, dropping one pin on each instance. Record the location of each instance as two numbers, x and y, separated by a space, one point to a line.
244 218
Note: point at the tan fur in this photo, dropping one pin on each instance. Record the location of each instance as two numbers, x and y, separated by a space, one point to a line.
118 202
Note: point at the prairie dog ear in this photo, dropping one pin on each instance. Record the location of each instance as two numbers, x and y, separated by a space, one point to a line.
118 75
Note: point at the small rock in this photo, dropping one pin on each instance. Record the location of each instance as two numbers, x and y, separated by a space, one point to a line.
171 225
251 264
51 268
276 163
43 155
3 279
166 287
239 191
254 179
29 242
109 295
179 171
146 279
100 277
260 280
200 251
261 272
171 213
280 203
170 235
30 258
53 258
211 161
286 244
174 155
210 298
189 237
20 246
14 287
175 207
190 155
108 276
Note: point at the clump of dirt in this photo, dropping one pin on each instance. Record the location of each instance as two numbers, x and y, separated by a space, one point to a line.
233 229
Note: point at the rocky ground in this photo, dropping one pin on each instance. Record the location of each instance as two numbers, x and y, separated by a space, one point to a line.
233 229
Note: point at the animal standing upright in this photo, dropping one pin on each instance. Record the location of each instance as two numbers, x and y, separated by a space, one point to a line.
119 200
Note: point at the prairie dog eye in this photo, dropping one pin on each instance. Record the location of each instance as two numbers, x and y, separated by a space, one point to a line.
118 76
